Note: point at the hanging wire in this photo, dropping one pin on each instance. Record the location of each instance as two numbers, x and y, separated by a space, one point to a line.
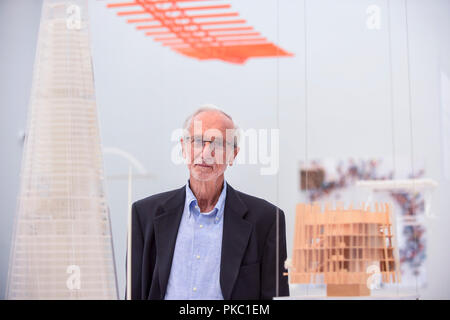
306 108
306 90
391 100
410 121
277 254
391 88
278 84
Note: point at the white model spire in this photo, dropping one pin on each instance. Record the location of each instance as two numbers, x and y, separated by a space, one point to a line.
62 244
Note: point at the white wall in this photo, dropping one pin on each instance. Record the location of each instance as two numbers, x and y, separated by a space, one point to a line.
144 91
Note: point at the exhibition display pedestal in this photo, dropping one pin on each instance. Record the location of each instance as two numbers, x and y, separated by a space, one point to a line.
320 293
372 297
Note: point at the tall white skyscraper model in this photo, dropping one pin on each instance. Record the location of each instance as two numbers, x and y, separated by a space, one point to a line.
62 244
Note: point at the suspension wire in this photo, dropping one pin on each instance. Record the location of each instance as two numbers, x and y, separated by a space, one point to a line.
391 104
410 122
306 109
391 87
277 253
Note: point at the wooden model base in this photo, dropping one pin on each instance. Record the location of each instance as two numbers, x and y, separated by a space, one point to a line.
347 290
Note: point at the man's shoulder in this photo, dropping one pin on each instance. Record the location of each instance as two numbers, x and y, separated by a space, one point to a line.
258 205
158 199
254 201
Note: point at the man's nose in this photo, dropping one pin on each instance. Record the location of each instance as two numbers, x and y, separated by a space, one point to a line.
207 151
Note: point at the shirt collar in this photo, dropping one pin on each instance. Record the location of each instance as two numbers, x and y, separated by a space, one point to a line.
191 202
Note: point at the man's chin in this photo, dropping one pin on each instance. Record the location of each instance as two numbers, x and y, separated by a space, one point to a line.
203 174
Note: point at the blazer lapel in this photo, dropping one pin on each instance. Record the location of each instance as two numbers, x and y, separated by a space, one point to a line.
166 230
235 236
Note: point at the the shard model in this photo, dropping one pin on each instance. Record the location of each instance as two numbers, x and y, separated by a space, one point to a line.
62 244
350 250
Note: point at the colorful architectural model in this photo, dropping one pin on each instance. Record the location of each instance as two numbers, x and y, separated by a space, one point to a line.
350 250
199 29
62 245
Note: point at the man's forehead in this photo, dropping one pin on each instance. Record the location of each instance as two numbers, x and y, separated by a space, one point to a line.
211 120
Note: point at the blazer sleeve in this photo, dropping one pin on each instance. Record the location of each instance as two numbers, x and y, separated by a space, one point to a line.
269 261
137 248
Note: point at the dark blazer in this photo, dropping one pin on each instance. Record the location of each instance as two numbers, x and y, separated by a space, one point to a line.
248 262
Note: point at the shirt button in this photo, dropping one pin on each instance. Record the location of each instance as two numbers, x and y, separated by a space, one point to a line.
201 226
217 219
194 289
198 257
196 207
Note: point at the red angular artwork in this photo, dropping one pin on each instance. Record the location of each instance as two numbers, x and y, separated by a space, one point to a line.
199 31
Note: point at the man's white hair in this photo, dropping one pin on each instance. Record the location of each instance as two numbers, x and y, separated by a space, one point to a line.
210 107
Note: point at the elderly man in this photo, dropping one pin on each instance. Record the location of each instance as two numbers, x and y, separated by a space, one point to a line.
207 240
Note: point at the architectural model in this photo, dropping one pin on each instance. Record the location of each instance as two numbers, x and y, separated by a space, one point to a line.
62 245
344 248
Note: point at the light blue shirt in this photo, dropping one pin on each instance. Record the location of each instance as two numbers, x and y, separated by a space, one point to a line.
195 272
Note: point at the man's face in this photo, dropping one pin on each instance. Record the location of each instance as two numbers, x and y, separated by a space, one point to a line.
207 149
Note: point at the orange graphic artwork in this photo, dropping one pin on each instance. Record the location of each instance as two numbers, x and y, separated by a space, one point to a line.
203 32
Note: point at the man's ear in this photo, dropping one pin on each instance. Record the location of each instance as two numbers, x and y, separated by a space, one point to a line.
183 150
236 151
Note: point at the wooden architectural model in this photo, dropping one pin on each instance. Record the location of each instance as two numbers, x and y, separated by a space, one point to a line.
62 244
343 247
